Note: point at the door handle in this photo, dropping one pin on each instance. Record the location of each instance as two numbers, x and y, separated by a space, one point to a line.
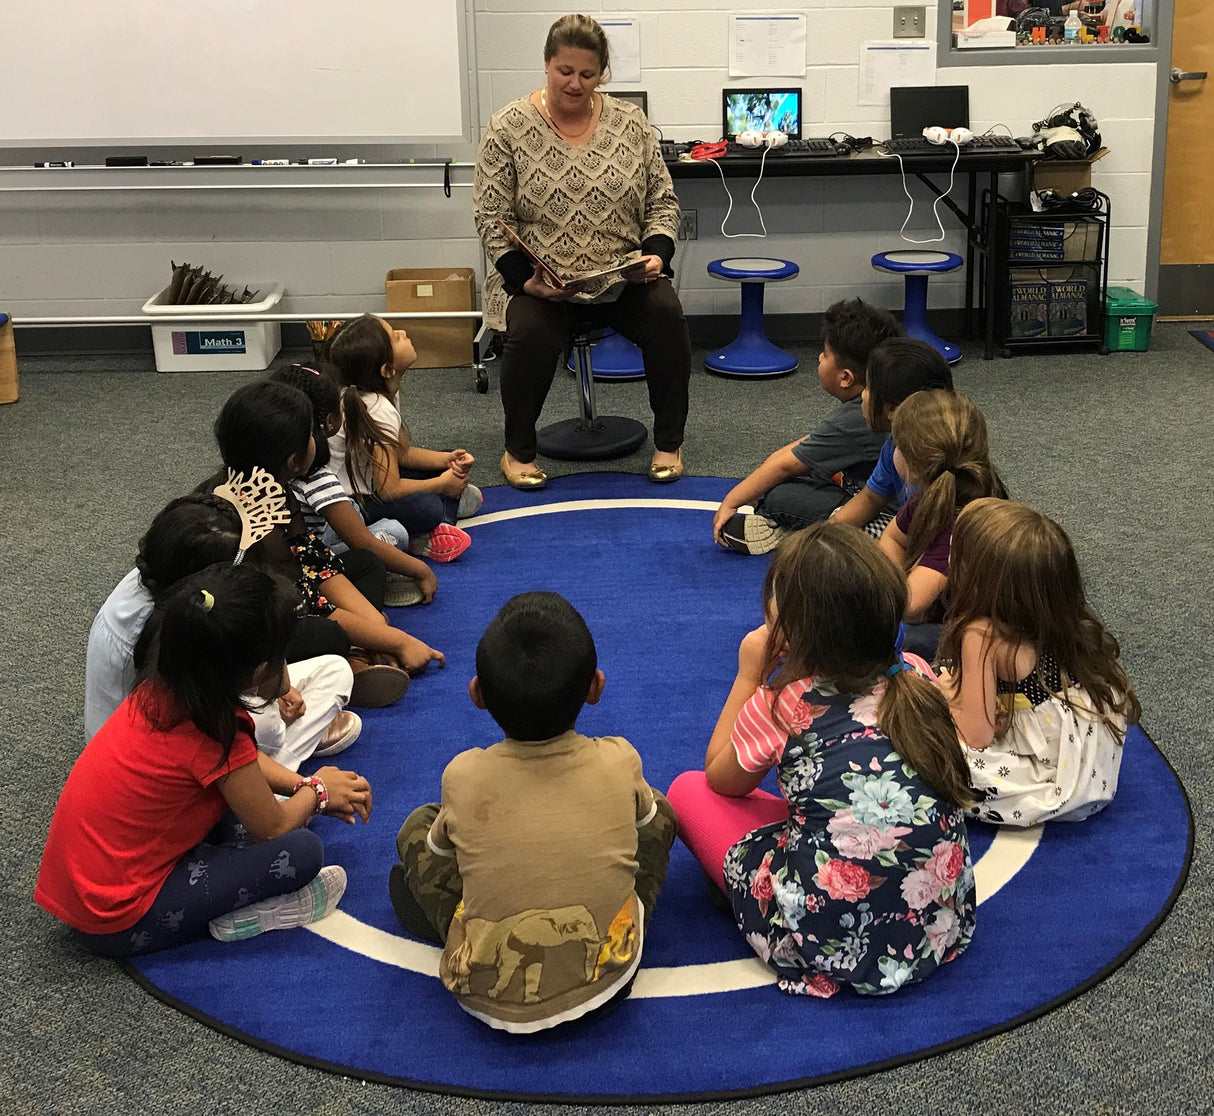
1178 75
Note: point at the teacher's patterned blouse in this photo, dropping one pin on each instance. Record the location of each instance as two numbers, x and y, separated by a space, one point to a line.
869 882
581 207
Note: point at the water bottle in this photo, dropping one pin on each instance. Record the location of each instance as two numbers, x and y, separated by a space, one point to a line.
1070 30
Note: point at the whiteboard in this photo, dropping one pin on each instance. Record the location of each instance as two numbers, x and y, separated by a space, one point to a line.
86 72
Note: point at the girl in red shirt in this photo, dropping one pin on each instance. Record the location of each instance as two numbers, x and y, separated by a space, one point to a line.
168 825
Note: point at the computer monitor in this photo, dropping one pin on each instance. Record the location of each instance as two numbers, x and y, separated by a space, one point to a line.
915 107
637 96
761 110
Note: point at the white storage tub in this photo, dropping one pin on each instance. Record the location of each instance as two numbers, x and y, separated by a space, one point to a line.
234 341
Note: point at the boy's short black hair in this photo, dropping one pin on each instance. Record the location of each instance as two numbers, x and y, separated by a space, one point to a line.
901 366
851 327
535 664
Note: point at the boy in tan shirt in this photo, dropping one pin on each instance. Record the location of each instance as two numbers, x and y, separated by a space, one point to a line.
540 868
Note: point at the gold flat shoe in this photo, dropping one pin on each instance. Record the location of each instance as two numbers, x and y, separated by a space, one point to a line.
525 482
666 474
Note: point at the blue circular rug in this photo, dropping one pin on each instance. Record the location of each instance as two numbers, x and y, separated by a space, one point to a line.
1060 907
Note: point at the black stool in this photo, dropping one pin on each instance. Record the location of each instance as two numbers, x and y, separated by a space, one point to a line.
591 436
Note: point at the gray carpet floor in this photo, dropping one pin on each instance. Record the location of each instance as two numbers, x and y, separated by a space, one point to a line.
1118 449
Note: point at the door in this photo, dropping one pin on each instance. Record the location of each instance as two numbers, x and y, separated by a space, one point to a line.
1186 250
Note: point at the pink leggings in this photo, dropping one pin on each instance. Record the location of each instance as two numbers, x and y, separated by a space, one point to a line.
710 823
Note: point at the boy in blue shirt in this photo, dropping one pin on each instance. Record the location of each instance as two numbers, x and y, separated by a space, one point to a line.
809 479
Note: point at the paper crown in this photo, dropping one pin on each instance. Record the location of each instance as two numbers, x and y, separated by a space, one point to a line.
260 502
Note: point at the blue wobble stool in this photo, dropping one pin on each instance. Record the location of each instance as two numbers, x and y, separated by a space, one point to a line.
751 354
915 267
615 358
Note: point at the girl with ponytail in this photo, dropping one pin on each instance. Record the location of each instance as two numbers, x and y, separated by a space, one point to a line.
169 827
942 451
861 874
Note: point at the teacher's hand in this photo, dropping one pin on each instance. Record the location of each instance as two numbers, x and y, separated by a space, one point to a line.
646 270
539 287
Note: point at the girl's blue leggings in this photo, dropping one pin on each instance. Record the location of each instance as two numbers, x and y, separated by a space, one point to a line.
223 873
419 513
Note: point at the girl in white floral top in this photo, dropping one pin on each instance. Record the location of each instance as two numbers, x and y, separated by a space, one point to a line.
861 874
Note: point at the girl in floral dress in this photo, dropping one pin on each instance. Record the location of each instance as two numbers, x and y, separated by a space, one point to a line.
861 874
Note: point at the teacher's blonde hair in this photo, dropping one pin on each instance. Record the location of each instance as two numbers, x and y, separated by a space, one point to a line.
582 33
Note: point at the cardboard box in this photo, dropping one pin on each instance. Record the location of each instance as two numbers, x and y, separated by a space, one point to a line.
230 340
439 344
1064 175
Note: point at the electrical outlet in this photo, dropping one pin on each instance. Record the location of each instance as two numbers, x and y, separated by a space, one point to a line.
910 23
687 224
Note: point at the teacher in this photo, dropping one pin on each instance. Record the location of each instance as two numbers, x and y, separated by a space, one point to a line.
579 176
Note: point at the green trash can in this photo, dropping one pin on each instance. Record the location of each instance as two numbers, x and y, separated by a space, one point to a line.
1127 321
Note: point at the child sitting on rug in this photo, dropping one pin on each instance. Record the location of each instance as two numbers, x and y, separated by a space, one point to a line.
372 454
897 368
330 511
168 826
809 478
942 453
191 533
541 866
1037 690
861 875
269 426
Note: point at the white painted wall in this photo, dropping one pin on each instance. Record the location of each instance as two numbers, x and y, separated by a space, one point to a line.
88 253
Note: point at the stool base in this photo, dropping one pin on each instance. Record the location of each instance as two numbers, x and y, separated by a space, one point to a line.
601 438
752 357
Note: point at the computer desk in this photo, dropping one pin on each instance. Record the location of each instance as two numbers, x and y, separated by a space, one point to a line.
979 226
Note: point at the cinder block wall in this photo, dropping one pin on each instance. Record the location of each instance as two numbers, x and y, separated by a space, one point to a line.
104 253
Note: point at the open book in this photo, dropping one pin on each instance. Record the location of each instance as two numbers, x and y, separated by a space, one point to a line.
549 272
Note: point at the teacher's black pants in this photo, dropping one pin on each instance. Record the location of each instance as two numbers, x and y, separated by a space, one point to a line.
648 314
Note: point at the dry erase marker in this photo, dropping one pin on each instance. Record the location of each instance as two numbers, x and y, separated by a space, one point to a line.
321 162
67 163
271 162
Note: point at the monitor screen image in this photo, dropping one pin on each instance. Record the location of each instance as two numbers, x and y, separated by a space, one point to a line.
762 110
637 96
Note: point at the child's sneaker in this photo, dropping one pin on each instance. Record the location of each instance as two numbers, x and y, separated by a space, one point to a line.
402 591
284 912
752 534
444 544
470 501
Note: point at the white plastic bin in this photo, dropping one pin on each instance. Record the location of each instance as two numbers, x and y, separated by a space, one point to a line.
234 341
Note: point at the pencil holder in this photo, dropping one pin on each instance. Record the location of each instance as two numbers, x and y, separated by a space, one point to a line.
8 361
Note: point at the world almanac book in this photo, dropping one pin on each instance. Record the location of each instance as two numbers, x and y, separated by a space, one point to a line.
1068 301
1028 305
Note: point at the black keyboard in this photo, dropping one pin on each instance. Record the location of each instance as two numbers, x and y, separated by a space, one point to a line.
979 145
804 148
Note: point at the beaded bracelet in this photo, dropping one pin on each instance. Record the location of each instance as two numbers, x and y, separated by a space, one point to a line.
318 785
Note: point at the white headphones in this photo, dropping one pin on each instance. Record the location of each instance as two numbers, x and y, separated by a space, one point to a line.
761 139
938 135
